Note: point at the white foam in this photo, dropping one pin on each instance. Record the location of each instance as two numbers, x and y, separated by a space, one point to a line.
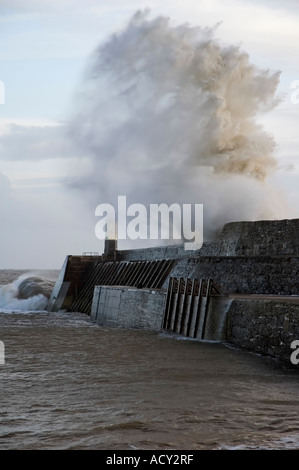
10 303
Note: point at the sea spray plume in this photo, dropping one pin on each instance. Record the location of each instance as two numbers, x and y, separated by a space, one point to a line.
169 115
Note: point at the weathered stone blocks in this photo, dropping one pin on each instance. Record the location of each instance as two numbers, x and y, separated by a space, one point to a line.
263 326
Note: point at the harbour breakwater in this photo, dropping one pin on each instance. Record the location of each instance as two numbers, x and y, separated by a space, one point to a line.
208 294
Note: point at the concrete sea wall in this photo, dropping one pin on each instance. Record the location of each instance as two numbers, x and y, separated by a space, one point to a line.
258 238
150 254
127 307
247 258
263 326
237 239
243 274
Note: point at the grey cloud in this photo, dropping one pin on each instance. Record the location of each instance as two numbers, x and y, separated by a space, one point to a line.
24 143
4 185
25 6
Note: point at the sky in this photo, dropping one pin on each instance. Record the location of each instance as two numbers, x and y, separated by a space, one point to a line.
45 49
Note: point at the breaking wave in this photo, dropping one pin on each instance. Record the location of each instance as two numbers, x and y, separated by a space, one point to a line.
25 294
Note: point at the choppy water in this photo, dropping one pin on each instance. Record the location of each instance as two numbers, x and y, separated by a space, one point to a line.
69 384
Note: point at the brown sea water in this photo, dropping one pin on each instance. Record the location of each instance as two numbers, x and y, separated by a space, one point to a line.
69 384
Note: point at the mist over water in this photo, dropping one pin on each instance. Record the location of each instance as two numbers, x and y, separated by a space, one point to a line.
166 113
